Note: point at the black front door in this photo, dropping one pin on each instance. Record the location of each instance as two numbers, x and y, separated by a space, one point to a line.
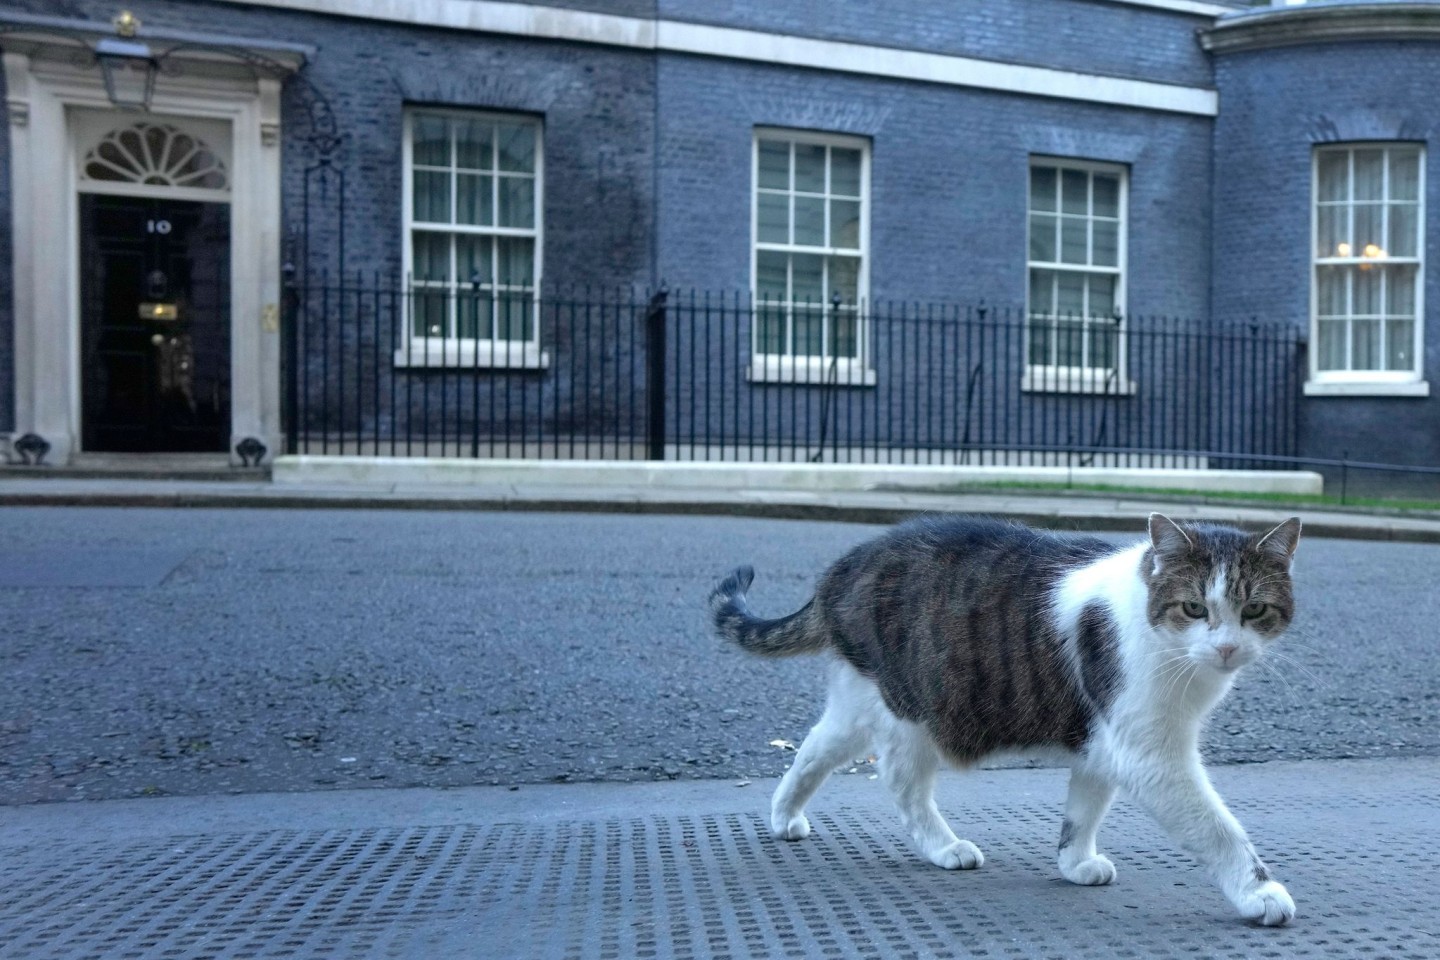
155 324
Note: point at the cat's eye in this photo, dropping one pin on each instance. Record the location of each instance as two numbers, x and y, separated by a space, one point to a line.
1252 610
1193 610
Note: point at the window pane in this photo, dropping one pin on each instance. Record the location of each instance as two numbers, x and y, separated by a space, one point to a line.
1104 343
1365 345
771 272
1332 345
1042 291
1367 292
514 317
809 329
1072 240
1042 189
774 165
1330 284
1070 294
473 313
773 218
1368 239
517 202
1404 227
845 224
430 313
1404 174
1042 237
472 259
430 257
517 146
1040 341
843 339
845 279
1331 236
473 147
1106 243
770 328
1400 345
473 201
809 168
432 140
1074 192
1102 296
1400 291
810 221
1107 195
432 197
844 172
807 278
515 261
1369 174
1334 170
1069 343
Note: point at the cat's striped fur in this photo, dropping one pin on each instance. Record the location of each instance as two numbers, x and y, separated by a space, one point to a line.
964 637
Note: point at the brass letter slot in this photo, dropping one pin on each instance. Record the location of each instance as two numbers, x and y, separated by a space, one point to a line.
158 311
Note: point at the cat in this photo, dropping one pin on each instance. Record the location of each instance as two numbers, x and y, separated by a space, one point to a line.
963 637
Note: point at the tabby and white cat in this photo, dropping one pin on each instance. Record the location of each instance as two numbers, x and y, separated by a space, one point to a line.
960 637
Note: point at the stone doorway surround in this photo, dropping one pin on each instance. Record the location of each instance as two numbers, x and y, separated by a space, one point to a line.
229 89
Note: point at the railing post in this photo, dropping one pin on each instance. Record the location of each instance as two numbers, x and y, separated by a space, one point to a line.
655 316
290 358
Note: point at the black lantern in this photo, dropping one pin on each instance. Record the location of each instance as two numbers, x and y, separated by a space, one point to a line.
128 65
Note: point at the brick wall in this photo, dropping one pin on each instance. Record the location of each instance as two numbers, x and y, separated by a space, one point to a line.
1275 106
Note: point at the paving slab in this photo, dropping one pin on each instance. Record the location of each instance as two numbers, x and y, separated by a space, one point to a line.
688 870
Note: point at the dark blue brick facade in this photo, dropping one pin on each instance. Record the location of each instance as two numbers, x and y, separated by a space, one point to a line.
1115 39
648 177
1276 106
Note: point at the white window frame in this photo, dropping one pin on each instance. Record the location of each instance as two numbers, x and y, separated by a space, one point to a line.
1054 378
451 350
790 368
1359 383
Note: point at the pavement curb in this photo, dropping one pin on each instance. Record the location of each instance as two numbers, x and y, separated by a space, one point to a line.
1055 518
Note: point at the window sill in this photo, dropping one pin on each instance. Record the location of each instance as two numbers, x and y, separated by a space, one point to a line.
1075 380
1367 388
484 355
784 370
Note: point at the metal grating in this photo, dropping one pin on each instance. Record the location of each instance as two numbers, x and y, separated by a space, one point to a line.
702 885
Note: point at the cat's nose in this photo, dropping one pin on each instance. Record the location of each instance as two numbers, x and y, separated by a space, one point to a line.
1226 651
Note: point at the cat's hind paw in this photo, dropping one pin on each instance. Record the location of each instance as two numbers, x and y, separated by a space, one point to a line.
790 828
960 855
1269 904
1093 871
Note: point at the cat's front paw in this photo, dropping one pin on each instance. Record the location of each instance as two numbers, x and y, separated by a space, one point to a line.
960 855
1093 871
790 828
1269 903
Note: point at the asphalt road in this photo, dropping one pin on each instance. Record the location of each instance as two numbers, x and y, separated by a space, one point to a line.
151 652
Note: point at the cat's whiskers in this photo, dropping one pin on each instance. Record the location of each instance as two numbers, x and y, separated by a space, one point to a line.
1314 677
1289 687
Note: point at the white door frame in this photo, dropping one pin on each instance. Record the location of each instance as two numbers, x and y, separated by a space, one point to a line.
44 184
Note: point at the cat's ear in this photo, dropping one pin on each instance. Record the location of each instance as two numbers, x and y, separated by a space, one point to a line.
1280 542
1167 537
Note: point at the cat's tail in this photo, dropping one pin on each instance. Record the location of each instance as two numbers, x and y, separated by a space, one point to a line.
800 632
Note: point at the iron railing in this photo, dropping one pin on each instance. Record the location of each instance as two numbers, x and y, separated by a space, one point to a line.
376 369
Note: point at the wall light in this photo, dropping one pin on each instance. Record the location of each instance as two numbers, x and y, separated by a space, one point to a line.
127 65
